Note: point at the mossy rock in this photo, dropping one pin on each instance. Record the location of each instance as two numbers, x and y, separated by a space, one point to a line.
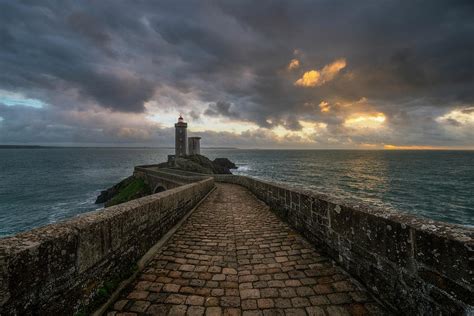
107 195
134 189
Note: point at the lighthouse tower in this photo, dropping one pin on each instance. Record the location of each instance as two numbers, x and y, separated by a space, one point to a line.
181 137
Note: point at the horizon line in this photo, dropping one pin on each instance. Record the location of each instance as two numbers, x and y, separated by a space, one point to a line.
402 148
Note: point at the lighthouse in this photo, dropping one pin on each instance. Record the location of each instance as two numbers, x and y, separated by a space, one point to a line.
181 137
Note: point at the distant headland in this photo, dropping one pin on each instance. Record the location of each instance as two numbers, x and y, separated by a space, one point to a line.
151 147
23 146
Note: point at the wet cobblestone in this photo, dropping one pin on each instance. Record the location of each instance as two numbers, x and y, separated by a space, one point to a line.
233 256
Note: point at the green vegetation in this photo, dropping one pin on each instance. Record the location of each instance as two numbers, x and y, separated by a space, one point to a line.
135 189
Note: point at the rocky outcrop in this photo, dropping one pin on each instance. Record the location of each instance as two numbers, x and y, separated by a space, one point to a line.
109 193
225 162
126 190
201 164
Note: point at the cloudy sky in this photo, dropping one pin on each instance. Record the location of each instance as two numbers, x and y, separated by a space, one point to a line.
250 74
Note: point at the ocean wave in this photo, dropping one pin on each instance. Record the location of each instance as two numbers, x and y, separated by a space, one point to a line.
243 168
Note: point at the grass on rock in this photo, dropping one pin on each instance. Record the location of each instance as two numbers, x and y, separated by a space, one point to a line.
135 189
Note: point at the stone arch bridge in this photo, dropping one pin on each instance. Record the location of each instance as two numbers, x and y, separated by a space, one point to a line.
162 179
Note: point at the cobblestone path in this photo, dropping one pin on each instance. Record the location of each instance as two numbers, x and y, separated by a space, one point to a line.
233 256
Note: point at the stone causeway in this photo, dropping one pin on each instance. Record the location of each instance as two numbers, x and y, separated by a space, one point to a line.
236 245
233 256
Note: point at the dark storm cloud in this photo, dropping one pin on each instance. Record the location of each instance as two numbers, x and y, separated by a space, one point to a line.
46 47
221 108
90 27
403 56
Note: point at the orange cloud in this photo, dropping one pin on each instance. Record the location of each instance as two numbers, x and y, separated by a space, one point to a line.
310 79
369 145
294 64
314 78
330 71
324 106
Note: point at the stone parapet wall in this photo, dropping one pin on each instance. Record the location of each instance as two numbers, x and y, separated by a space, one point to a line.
56 269
185 173
171 175
157 180
414 265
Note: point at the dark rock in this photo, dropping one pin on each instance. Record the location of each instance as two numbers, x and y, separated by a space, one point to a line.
192 166
224 162
201 164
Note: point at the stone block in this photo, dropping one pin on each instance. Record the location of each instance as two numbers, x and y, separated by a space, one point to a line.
448 256
383 237
295 201
446 285
320 207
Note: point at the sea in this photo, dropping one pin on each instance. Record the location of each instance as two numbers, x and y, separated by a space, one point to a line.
39 186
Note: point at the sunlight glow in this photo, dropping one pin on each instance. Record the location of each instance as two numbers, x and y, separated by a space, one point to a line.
310 79
463 116
164 118
412 147
367 120
324 106
314 78
294 64
331 70
369 146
